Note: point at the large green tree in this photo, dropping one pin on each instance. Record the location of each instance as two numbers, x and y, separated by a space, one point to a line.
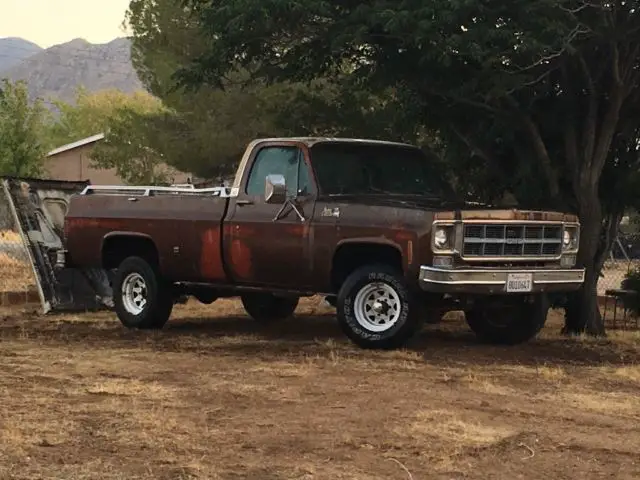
22 124
212 125
551 85
133 146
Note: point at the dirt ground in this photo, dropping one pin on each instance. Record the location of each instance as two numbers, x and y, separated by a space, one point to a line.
215 396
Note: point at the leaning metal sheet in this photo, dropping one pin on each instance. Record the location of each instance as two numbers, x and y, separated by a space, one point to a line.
38 208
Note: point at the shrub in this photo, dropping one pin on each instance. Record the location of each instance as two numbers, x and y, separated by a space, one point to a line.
632 282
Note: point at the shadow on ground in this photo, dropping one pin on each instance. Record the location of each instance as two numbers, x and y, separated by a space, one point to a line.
442 344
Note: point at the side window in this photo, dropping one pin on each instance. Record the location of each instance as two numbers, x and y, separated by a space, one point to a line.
287 161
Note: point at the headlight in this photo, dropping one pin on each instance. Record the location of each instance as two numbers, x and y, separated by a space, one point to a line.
570 238
441 238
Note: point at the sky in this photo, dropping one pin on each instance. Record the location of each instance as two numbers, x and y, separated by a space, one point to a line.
51 22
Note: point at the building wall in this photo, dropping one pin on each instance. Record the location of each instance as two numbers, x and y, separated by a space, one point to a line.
75 165
64 166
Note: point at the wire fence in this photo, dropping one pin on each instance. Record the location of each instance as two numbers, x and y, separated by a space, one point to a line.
613 274
623 258
17 281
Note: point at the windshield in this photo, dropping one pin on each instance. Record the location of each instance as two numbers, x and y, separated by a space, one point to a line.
351 168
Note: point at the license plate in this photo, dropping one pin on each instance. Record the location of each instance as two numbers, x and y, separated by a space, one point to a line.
519 282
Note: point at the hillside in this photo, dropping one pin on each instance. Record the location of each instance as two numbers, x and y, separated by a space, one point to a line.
14 50
58 71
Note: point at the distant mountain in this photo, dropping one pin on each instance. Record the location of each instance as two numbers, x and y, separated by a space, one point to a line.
58 71
13 50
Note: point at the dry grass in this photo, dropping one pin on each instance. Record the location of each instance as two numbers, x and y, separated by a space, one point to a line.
215 396
10 236
15 276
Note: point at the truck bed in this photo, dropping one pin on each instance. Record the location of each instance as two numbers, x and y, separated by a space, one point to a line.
182 225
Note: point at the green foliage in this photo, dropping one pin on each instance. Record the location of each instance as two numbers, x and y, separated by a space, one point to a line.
90 113
21 126
207 130
133 145
129 122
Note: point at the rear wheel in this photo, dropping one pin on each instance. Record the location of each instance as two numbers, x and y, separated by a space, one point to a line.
376 308
142 299
510 324
266 307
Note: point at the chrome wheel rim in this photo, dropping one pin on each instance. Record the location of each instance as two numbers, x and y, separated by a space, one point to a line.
134 293
377 307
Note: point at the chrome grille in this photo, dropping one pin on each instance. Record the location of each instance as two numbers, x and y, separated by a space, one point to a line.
512 240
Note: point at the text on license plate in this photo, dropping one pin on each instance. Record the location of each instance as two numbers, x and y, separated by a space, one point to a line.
519 282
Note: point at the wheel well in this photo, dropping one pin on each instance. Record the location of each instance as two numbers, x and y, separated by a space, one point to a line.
350 256
116 249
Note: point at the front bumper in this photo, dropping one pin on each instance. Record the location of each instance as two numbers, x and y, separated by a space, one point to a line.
485 281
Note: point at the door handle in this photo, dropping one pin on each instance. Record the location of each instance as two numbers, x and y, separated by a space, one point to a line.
132 199
243 202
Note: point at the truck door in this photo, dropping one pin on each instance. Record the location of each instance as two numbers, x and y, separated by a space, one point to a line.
259 248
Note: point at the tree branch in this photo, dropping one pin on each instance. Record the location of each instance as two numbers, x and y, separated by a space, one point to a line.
533 82
591 120
539 147
631 63
617 75
464 101
573 11
570 131
608 129
571 152
553 55
473 146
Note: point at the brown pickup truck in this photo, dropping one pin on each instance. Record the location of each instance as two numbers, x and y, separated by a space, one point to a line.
369 224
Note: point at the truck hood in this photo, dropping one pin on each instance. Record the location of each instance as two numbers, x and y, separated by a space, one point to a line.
452 209
414 202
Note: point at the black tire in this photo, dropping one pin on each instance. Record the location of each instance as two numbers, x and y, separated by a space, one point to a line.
359 322
159 296
267 308
514 323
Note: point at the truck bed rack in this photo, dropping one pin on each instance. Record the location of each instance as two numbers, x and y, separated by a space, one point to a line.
147 191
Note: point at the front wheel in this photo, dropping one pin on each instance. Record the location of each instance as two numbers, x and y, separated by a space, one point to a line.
510 324
266 307
142 299
376 309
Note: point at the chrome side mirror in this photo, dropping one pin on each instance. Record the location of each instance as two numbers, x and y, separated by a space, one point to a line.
275 189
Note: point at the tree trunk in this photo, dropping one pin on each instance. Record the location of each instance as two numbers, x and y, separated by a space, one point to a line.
581 312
